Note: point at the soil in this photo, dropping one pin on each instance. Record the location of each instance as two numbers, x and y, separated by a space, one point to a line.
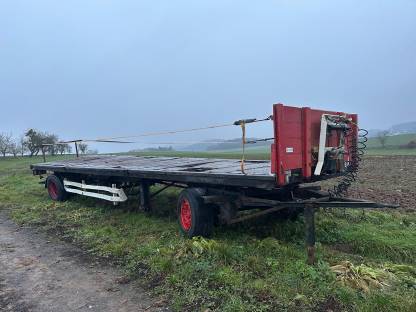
386 179
42 273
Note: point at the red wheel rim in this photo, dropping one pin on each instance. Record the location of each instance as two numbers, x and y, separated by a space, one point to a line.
53 190
186 215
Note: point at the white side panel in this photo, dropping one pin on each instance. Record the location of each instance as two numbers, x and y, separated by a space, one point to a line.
322 143
116 195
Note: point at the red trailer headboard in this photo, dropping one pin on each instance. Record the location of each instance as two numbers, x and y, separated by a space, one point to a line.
297 137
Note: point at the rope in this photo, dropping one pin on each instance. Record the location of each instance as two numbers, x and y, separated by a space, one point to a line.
175 143
242 123
160 133
161 143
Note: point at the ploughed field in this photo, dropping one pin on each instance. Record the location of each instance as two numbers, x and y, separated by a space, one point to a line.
386 179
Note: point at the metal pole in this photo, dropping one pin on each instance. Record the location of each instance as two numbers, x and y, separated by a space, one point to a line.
145 196
43 153
309 215
76 149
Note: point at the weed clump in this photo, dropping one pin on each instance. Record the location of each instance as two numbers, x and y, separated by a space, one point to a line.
199 247
365 278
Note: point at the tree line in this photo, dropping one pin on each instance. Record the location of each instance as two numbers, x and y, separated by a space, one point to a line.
34 142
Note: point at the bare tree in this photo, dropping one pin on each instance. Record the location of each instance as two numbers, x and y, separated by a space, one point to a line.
83 147
5 142
36 139
382 137
68 149
51 140
62 148
14 149
22 145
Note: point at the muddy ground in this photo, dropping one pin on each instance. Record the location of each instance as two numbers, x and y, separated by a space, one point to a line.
42 273
386 179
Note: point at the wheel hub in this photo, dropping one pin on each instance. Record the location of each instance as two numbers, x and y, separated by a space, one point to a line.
186 215
53 190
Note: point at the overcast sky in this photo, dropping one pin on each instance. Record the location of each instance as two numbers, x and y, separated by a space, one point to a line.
85 69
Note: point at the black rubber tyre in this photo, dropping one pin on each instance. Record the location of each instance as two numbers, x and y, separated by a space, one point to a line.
195 218
56 188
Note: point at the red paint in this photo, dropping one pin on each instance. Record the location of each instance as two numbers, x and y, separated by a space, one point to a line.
296 133
186 215
52 190
306 143
273 156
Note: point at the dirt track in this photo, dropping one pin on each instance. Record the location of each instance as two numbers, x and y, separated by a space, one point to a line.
40 273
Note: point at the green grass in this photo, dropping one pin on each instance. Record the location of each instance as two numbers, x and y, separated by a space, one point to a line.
390 151
392 141
265 154
249 154
393 146
255 266
374 148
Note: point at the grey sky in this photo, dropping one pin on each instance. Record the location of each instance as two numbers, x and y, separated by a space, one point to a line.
107 68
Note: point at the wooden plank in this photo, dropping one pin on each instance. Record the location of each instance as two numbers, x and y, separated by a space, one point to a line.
176 169
176 165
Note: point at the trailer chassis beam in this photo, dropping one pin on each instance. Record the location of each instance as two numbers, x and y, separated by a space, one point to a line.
255 215
165 187
144 203
161 190
309 208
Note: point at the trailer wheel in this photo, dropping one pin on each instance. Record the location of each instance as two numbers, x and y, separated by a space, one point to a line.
56 188
195 218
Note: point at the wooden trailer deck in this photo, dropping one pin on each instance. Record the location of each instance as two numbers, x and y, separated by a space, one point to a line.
205 171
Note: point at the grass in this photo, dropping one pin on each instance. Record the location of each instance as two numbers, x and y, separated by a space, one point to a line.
393 146
255 266
390 151
249 154
392 141
374 148
265 153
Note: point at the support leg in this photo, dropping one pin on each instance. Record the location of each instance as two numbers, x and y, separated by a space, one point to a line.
309 215
76 149
43 153
145 196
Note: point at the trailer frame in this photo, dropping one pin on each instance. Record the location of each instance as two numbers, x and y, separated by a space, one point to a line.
227 191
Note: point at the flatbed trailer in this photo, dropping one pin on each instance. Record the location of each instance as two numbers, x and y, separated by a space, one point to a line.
196 171
309 145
